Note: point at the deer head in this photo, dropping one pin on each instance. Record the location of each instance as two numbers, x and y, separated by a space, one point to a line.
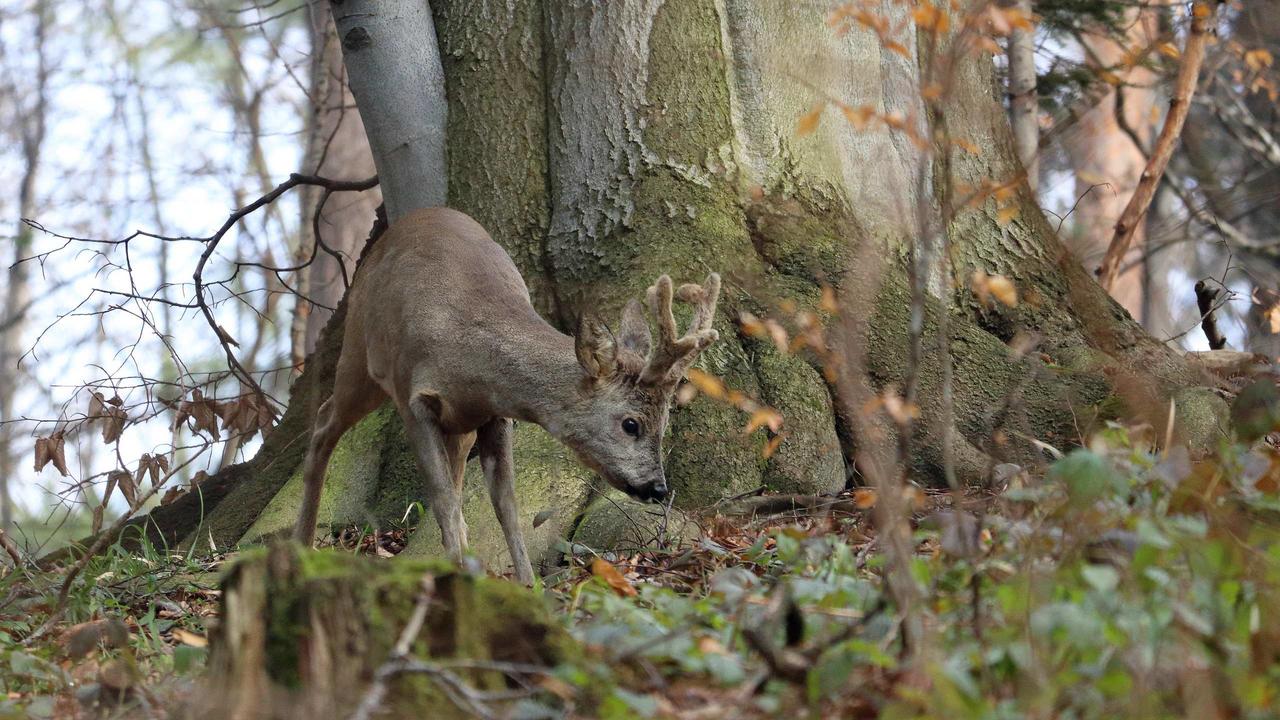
617 422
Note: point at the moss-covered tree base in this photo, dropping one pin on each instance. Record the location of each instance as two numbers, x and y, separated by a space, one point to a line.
304 633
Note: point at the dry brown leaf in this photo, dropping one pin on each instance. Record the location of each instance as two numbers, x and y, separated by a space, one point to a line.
170 495
189 638
51 450
203 413
605 570
751 325
930 17
859 117
778 334
829 302
894 46
900 410
1258 59
97 406
1002 289
113 420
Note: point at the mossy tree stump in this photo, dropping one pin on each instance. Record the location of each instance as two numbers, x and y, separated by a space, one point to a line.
306 633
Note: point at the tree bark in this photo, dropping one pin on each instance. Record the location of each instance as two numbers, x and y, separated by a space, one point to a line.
604 144
1024 112
391 55
338 148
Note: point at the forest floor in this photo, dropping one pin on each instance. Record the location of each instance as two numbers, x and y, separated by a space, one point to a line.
1127 582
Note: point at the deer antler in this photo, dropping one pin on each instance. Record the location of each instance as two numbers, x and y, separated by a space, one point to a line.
673 355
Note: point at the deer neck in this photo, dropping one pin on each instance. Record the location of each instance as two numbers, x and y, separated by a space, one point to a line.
545 380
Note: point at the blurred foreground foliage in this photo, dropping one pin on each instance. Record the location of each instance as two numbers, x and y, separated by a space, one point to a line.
1127 582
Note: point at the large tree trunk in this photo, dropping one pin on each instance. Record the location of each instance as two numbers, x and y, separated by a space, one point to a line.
605 143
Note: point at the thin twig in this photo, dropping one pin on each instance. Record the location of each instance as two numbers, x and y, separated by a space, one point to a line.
1202 17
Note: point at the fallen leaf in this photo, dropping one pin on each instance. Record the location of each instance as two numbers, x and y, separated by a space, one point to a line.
605 570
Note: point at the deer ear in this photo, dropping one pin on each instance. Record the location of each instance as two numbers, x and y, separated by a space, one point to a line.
595 348
633 335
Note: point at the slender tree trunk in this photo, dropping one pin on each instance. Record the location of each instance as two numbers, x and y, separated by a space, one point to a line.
1024 113
17 294
393 61
336 148
1107 159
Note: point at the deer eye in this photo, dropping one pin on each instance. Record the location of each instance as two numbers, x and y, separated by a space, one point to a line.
631 426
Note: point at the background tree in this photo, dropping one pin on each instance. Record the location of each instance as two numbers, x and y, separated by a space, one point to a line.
603 145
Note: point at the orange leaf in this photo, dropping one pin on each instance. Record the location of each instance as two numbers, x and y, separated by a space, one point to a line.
605 570
1002 289
772 446
859 117
1258 59
708 384
809 121
763 417
894 46
864 498
829 302
1169 50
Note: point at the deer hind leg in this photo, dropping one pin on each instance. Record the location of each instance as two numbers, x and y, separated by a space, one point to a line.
494 440
458 446
422 425
353 398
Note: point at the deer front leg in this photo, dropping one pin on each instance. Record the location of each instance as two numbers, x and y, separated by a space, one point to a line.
494 442
324 436
423 429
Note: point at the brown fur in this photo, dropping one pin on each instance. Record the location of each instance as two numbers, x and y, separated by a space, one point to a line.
439 321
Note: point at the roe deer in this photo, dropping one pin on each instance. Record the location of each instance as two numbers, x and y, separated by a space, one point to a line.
439 320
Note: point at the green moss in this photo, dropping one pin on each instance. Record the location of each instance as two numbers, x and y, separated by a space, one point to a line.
551 486
615 522
498 168
328 619
354 489
810 459
1202 420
